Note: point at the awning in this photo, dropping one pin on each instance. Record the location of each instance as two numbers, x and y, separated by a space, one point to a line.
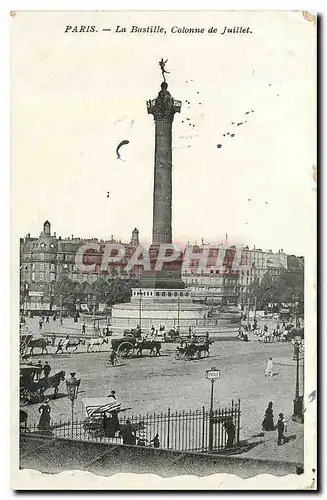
100 405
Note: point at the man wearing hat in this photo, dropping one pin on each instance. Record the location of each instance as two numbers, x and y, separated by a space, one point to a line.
112 394
280 429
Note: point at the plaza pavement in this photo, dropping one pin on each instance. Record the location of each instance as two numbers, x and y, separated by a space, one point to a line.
154 384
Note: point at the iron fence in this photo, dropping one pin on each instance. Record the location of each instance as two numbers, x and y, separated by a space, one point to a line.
176 430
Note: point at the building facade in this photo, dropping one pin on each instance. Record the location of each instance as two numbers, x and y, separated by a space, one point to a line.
229 272
46 259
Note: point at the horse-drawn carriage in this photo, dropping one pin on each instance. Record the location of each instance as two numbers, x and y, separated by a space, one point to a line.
102 420
134 332
33 387
193 350
129 346
25 340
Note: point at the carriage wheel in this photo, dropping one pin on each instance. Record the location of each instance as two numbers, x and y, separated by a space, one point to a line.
108 363
178 355
125 350
24 396
188 356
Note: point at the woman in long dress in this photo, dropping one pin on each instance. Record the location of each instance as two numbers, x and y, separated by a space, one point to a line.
45 410
268 421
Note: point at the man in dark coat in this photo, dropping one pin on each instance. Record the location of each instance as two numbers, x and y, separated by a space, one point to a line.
46 370
230 429
280 430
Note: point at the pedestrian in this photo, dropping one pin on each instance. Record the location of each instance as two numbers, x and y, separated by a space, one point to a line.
46 370
230 430
54 317
269 368
47 320
268 420
38 371
113 357
112 394
45 410
60 347
156 441
280 430
83 328
128 433
40 324
265 328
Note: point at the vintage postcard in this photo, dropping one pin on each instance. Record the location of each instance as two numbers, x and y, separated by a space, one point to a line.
163 233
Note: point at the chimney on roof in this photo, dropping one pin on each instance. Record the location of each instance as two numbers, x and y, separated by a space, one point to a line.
54 234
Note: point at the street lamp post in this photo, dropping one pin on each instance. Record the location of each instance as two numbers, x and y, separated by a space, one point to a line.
178 309
61 309
212 374
248 311
298 400
140 293
72 385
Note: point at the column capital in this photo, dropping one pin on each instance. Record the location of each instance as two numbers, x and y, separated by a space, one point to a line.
164 106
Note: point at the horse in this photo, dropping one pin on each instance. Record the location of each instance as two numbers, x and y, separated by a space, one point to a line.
74 344
153 345
65 344
41 343
202 348
276 335
51 383
98 342
266 338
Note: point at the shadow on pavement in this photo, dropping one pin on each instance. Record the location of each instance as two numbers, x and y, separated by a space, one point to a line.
287 439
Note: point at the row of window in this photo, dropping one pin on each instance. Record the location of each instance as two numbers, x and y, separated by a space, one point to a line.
41 276
160 294
43 267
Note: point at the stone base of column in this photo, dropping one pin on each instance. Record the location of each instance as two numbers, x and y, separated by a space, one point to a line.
162 279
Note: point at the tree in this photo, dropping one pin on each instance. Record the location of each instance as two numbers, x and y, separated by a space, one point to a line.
113 291
65 292
286 287
100 290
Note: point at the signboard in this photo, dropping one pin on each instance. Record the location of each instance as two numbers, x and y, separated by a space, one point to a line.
36 294
213 374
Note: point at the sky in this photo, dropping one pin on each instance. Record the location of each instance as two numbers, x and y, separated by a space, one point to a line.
75 96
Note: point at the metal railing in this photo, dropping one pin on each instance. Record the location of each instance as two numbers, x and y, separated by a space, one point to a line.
179 430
